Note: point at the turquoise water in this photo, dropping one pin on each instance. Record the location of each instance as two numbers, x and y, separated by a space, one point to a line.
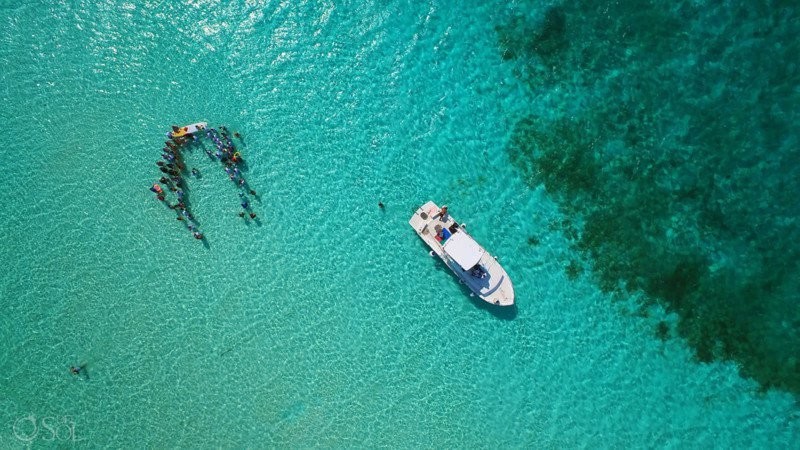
326 324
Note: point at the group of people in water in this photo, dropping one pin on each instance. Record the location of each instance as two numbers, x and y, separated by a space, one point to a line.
173 168
231 159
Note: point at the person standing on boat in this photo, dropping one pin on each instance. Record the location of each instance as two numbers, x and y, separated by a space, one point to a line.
442 213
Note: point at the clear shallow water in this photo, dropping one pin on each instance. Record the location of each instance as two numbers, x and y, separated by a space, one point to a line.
328 324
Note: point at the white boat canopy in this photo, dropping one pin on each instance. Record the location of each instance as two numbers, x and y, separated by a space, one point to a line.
464 250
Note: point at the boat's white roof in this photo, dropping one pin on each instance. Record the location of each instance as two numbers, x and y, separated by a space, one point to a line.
464 250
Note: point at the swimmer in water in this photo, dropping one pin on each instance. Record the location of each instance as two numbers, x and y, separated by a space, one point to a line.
79 370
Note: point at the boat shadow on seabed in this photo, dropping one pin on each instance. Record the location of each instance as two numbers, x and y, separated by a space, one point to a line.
501 312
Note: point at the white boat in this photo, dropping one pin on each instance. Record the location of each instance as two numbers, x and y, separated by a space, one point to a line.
188 129
471 263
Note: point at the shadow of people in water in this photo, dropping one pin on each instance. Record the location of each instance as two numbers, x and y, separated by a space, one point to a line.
238 137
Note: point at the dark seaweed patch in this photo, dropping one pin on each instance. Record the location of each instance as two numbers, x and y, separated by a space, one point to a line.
573 270
662 330
679 162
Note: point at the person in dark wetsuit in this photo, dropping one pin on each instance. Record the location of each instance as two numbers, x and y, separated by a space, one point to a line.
79 370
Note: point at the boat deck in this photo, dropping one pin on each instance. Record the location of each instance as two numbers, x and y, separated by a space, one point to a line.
429 223
494 287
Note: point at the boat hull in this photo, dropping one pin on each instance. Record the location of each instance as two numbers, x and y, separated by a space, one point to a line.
488 280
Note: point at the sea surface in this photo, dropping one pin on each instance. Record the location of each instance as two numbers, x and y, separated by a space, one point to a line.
632 165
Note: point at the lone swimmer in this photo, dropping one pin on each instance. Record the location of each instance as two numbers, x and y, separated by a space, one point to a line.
79 370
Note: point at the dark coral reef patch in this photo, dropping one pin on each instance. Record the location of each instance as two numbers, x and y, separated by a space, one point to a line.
676 150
